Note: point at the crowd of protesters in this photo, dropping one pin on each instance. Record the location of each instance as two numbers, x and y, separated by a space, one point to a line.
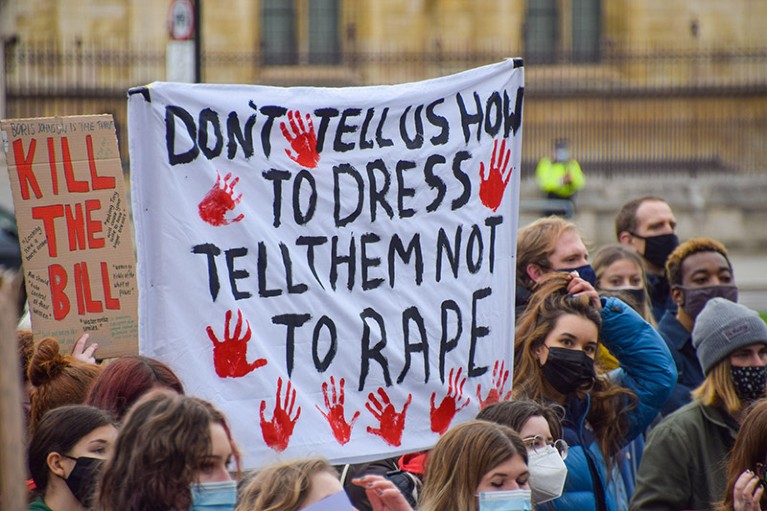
637 385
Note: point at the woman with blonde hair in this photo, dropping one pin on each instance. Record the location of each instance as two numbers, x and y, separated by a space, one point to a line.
555 346
681 466
172 453
472 458
296 485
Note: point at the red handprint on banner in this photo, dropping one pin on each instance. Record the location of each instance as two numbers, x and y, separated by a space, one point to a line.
493 183
392 422
334 404
230 355
219 201
442 416
301 139
500 377
277 432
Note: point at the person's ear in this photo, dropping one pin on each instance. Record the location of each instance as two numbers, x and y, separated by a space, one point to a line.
540 353
534 271
625 238
56 465
677 295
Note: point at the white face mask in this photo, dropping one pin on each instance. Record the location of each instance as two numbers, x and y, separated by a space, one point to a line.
510 500
547 473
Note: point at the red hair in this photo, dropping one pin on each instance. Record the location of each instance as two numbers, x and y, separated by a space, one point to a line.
126 379
58 380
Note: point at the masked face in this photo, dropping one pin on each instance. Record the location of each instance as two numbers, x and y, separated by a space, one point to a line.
214 496
512 500
83 478
586 272
695 298
749 382
547 473
569 370
658 248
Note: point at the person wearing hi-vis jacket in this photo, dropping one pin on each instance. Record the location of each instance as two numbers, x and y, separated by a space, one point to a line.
561 177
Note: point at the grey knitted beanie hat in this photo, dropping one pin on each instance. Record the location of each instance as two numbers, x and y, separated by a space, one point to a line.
723 327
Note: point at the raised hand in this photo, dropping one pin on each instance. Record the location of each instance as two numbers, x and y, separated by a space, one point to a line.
334 404
219 201
392 422
301 139
279 429
83 354
493 182
442 415
747 492
230 355
500 377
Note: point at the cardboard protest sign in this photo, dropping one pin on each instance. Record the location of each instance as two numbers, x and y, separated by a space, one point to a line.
75 233
334 268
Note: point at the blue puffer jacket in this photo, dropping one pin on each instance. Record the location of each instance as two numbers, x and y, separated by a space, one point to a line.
647 368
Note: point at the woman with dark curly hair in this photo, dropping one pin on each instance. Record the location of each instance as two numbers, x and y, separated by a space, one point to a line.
172 453
555 348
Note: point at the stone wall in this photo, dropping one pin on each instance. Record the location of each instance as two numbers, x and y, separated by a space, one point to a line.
729 208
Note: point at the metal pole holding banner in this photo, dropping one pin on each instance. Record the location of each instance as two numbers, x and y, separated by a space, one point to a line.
197 41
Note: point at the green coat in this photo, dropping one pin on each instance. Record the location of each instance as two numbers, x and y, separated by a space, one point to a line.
683 464
38 505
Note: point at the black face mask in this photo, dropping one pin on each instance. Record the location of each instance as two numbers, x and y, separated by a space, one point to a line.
658 248
84 477
568 370
749 382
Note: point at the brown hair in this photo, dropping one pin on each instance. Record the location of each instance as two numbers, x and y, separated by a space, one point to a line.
535 244
610 402
58 380
281 486
516 413
606 257
750 448
459 461
59 431
685 250
626 219
161 446
26 348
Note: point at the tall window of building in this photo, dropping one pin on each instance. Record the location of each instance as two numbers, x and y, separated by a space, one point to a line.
567 30
300 32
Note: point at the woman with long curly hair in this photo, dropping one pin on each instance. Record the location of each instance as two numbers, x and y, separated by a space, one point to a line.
555 347
172 453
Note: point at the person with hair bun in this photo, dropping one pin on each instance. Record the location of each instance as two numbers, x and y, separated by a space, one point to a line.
65 456
555 348
57 380
124 380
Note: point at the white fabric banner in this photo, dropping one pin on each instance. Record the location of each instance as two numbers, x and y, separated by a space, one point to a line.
332 267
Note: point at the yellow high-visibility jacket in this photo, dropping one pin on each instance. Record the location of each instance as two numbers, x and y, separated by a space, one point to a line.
552 177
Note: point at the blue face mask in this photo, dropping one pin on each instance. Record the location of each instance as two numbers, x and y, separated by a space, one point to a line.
218 496
511 500
586 272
